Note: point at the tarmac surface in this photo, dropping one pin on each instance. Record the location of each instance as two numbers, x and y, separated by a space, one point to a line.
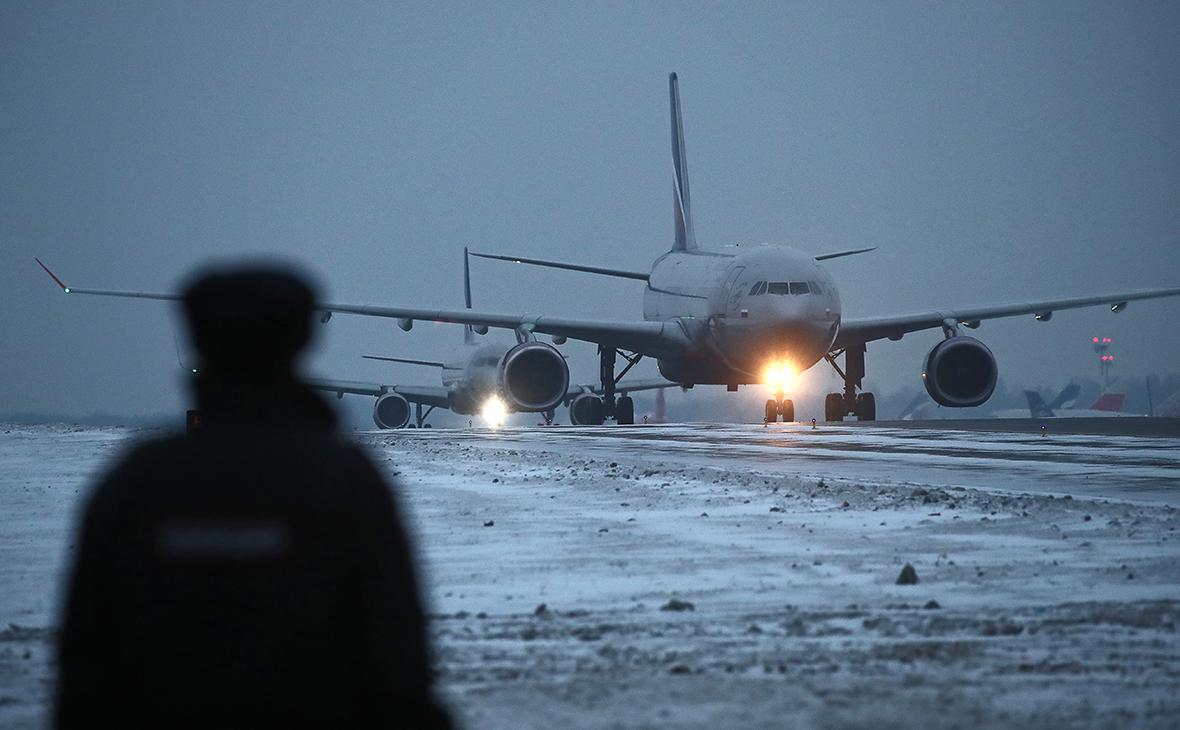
1114 426
738 576
1096 457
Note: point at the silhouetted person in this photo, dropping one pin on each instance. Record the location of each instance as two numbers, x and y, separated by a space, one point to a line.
253 573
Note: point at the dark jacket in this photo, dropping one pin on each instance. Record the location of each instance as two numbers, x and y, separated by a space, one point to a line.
252 574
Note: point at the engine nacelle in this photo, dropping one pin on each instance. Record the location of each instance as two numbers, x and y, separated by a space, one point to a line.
534 377
960 372
587 410
391 411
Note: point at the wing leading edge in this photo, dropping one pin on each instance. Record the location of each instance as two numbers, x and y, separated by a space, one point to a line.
860 331
651 339
425 394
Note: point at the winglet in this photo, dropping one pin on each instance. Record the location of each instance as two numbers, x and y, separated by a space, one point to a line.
468 330
64 288
685 237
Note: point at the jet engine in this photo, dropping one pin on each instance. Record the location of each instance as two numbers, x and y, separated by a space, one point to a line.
533 377
587 410
391 411
960 372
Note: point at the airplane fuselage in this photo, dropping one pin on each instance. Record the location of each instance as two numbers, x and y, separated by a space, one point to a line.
743 312
470 375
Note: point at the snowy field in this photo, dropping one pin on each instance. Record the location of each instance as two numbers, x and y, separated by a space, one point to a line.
730 576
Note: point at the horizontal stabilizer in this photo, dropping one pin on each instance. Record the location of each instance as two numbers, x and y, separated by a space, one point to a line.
827 256
622 274
429 363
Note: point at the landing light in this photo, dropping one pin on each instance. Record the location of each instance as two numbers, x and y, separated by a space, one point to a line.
494 411
779 377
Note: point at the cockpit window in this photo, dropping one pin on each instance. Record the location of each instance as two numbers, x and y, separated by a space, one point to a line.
778 287
799 287
815 288
759 288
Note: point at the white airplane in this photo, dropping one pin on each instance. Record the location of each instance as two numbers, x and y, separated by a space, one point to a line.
491 379
761 316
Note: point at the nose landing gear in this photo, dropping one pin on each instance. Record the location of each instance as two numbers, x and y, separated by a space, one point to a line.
780 406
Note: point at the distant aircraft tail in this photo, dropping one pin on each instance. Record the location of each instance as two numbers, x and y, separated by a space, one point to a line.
1111 402
469 330
1037 406
1068 393
685 238
1170 408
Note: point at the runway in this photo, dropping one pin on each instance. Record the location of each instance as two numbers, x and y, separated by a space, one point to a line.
704 576
994 455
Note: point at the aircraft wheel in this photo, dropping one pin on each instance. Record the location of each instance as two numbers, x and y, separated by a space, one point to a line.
787 409
866 407
771 411
625 411
834 407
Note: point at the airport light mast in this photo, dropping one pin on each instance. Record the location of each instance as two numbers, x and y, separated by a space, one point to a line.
1101 344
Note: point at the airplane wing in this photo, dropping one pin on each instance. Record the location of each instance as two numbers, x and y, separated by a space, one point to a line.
622 388
652 339
859 331
437 395
424 394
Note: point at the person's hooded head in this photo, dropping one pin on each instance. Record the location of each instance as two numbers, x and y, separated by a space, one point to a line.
250 321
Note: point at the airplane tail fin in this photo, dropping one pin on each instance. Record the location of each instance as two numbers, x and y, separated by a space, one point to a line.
685 237
1036 405
468 330
1068 393
1111 402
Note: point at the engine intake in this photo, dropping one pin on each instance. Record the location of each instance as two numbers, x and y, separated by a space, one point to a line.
534 377
587 410
960 372
391 411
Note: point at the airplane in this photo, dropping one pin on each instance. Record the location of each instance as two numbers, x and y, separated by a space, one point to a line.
1108 404
761 316
1039 409
491 379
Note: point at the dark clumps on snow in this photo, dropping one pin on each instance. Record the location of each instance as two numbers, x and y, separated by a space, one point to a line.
675 605
908 576
489 523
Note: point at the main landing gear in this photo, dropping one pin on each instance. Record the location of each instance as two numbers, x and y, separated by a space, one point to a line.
780 406
850 403
622 409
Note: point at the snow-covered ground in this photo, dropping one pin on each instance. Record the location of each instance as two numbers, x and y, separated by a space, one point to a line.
736 576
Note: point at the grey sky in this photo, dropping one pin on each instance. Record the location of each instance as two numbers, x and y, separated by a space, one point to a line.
994 152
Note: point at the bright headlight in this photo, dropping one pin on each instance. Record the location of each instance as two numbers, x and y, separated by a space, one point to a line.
779 377
494 411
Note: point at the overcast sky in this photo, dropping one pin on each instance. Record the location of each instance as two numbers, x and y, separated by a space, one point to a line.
993 151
